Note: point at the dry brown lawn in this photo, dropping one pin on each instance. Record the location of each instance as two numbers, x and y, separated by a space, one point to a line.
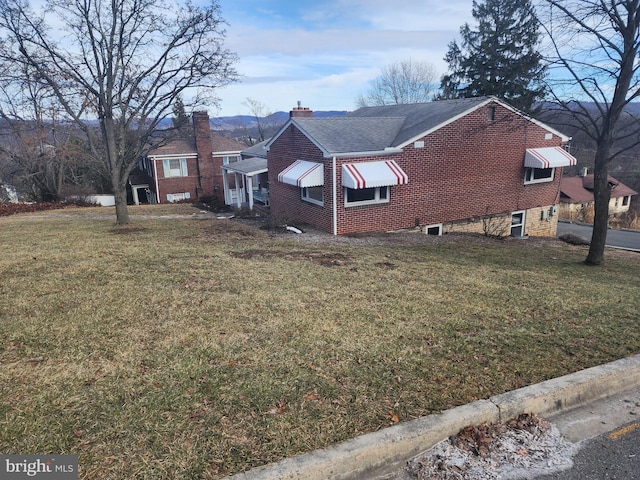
182 346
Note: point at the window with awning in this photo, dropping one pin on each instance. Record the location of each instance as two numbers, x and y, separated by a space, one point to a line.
548 157
303 174
540 163
373 174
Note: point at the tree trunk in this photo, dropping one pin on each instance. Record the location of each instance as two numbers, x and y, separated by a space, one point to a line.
601 195
120 195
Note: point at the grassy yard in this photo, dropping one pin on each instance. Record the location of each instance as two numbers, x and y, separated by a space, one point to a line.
185 348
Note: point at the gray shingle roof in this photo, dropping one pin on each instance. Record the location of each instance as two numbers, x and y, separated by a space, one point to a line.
420 117
257 150
248 166
346 134
374 129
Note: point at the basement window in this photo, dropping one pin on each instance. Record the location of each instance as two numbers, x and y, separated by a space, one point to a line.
433 230
178 197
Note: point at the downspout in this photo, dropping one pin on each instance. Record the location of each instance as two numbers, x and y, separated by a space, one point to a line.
335 197
155 177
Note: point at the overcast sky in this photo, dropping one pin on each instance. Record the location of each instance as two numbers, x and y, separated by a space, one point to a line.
324 53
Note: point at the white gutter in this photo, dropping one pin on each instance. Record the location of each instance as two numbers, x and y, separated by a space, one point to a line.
386 151
173 155
335 197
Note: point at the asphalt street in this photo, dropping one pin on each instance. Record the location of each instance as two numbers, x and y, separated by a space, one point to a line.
628 239
615 455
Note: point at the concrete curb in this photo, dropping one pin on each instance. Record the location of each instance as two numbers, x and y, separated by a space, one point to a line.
386 450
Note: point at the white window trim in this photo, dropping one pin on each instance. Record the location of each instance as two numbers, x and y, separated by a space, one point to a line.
539 180
166 167
522 225
429 227
305 198
376 201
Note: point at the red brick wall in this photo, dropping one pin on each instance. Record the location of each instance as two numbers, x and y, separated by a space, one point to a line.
177 184
285 201
469 168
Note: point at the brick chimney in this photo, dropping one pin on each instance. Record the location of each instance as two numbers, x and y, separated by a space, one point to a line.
301 112
204 148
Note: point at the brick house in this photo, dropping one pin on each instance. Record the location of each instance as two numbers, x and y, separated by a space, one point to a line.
576 197
188 166
465 165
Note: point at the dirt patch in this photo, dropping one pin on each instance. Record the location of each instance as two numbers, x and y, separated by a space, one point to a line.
412 237
324 259
127 230
230 228
387 265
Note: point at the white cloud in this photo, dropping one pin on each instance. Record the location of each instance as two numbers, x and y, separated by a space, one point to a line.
333 48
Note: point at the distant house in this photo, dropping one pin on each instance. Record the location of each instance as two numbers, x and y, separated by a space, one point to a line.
465 165
246 181
187 167
576 197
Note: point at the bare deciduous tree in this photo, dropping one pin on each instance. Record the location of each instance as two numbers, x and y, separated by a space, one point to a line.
402 82
594 75
265 125
39 152
123 63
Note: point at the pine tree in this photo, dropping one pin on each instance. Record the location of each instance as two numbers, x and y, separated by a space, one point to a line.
499 57
180 117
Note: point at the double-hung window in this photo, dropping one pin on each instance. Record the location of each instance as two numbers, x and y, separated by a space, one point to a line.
175 167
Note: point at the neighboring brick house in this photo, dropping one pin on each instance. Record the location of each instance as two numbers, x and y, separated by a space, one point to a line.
187 167
468 165
576 197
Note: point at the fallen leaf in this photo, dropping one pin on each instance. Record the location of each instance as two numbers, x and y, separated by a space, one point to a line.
278 409
394 416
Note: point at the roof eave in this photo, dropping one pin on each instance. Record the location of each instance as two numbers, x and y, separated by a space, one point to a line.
376 153
563 137
226 152
172 155
290 122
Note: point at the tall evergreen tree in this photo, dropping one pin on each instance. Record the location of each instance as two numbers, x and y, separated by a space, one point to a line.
180 117
499 57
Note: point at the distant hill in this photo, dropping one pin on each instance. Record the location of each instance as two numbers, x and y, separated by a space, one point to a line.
222 124
244 128
625 167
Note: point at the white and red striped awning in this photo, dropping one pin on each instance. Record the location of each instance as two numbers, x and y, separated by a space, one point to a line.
548 157
303 174
373 174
